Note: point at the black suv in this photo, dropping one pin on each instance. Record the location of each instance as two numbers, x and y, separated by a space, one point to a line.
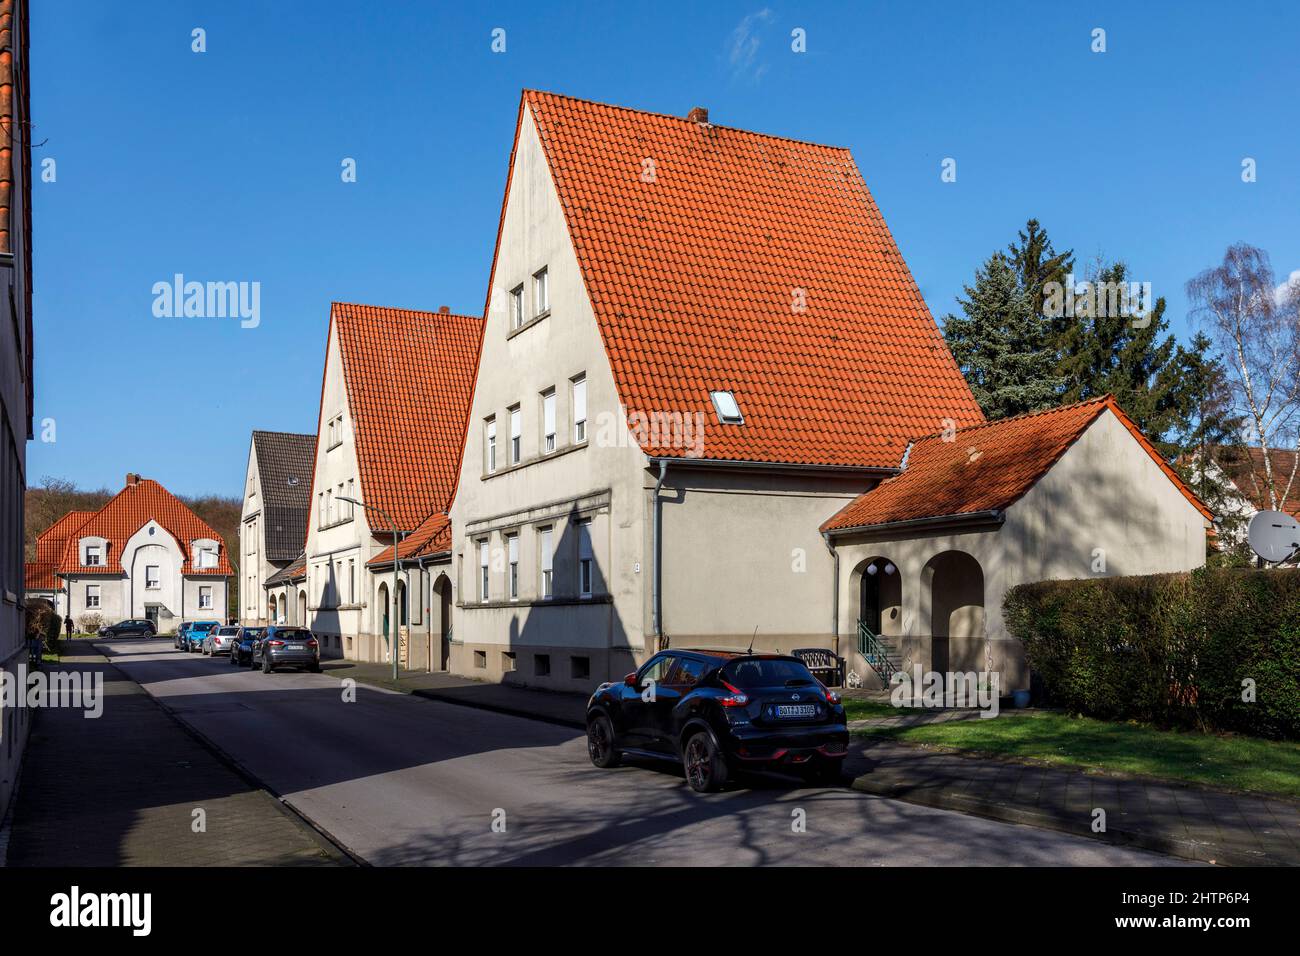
719 712
137 626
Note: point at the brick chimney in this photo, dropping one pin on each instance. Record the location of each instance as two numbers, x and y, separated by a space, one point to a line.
132 479
444 309
699 114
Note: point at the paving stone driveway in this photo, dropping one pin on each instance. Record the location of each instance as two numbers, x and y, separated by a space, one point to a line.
121 790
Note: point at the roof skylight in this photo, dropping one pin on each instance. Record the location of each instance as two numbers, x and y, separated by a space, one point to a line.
724 403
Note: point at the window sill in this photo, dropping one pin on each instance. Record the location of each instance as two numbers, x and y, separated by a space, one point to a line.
546 456
528 325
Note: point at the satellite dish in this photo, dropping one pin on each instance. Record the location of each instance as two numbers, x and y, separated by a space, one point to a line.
291 480
1273 535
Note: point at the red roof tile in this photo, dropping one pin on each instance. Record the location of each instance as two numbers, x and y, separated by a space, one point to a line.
39 574
1245 468
986 468
433 536
410 378
126 513
693 278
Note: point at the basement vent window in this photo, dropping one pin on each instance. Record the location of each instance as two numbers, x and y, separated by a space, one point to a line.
480 659
724 403
508 661
542 665
579 668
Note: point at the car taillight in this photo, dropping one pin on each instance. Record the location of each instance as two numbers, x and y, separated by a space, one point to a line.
738 697
832 697
275 643
312 642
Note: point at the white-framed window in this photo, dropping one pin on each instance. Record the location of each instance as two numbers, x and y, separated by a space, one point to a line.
548 420
207 558
352 580
94 556
152 579
352 493
586 561
490 443
341 505
92 595
728 409
320 509
547 545
580 409
329 506
516 434
205 596
512 550
483 559
516 307
542 292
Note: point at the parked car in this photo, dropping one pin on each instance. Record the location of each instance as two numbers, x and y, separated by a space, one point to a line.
135 627
178 639
719 712
219 640
291 646
241 649
197 631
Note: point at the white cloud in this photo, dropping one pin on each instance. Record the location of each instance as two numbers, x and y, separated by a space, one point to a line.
1292 283
743 46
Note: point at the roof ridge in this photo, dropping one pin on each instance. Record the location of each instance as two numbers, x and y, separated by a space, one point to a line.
399 308
682 119
1106 399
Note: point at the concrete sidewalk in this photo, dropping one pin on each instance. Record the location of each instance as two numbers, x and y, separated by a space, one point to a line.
1183 820
122 790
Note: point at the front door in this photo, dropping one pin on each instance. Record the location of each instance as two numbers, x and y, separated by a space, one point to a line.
151 615
869 609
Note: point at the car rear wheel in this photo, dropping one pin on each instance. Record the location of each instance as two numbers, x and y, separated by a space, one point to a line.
314 667
600 743
706 770
266 664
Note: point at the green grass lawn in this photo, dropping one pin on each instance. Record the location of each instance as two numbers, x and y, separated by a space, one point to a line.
1238 763
862 709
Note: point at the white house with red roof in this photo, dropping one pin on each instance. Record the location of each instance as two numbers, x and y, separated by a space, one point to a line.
143 555
394 394
701 345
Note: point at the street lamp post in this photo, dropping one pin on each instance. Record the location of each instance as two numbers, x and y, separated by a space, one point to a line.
392 636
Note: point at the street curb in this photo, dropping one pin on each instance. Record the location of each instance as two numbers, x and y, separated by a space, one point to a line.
443 698
1004 813
334 848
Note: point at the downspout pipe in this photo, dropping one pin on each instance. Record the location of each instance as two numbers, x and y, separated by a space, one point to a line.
835 594
656 599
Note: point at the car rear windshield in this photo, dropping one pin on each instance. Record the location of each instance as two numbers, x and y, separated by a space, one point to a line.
202 626
253 631
226 631
293 635
760 672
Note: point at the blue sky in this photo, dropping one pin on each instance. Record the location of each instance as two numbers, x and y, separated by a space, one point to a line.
225 166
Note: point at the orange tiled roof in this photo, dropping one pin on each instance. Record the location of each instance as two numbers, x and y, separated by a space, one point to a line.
126 513
409 377
39 574
696 277
1248 474
987 468
433 536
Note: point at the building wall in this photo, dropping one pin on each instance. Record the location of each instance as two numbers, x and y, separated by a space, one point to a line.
602 478
1105 498
742 553
254 569
339 614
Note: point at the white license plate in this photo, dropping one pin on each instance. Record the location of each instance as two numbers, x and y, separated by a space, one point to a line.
796 710
293 647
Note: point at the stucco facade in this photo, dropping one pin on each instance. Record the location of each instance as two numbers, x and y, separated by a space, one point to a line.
1105 508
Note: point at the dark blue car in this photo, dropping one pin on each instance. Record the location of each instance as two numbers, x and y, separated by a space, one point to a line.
241 652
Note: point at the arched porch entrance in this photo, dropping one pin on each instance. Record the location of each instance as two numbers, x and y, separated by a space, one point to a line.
442 593
384 606
302 609
880 596
952 584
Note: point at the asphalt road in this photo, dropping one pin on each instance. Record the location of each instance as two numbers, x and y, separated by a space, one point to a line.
401 780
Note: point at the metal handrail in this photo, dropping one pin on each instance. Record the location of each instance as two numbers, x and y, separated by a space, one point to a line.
875 652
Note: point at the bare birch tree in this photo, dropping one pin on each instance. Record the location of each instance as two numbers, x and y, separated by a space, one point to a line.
1256 326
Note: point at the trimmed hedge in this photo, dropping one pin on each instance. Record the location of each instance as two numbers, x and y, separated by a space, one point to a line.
1169 649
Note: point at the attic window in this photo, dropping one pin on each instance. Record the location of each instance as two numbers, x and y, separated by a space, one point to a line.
724 403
